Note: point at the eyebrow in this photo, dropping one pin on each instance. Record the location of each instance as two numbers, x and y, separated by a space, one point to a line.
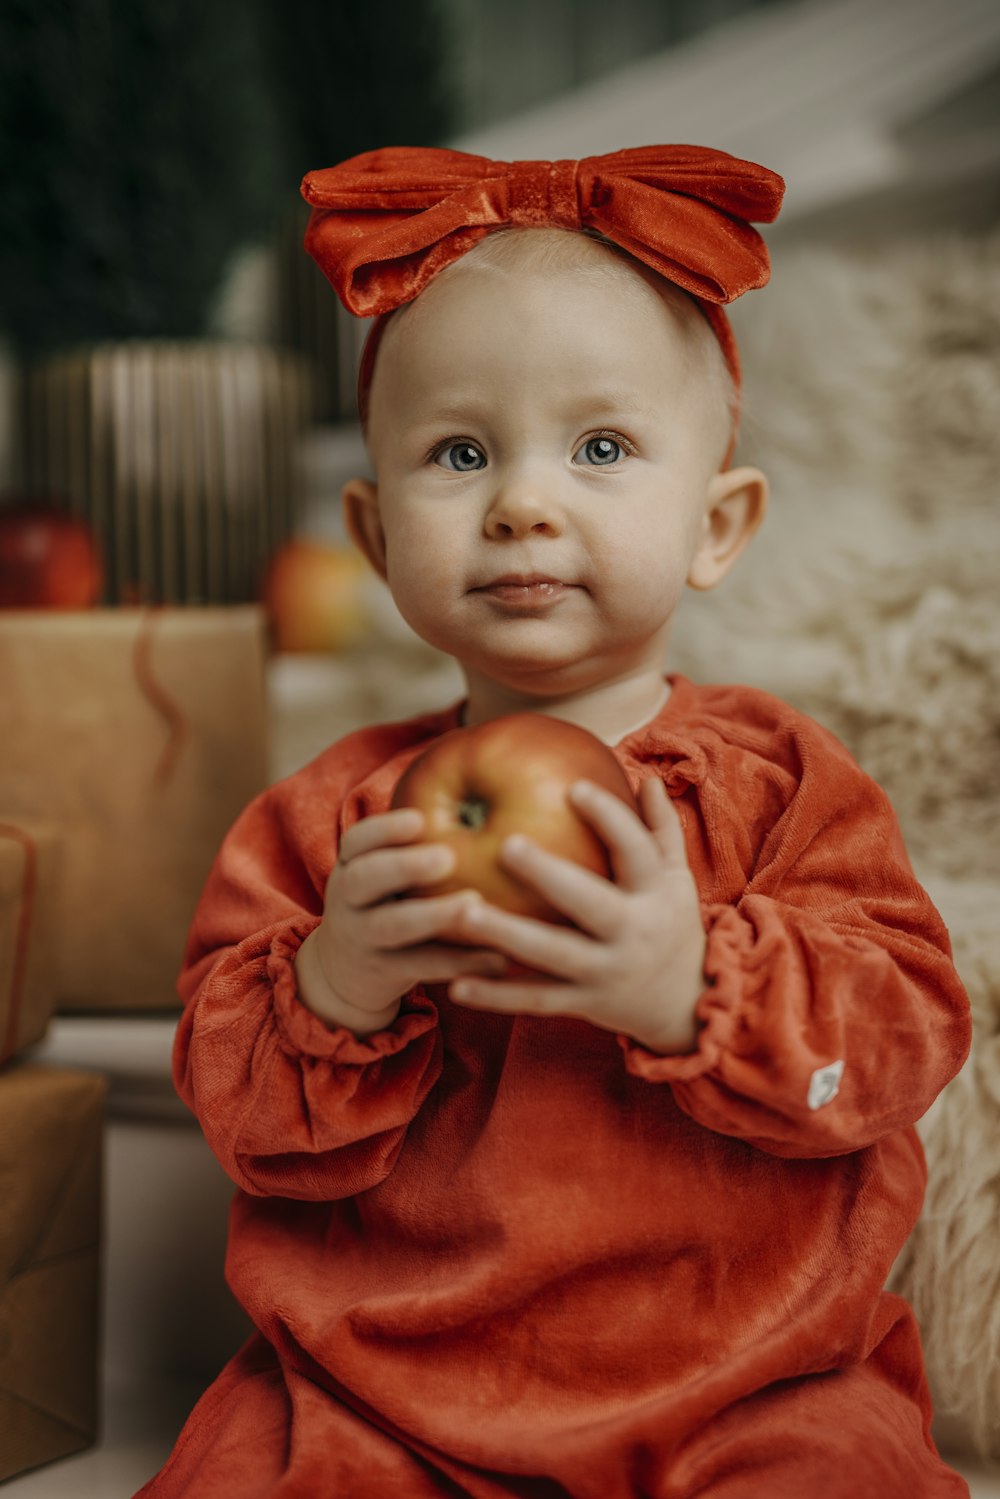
610 400
593 401
454 412
615 403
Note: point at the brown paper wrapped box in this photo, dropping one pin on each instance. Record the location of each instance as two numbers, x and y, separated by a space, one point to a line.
51 1157
141 733
28 871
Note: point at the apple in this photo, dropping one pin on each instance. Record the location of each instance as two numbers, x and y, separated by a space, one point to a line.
49 558
476 786
314 596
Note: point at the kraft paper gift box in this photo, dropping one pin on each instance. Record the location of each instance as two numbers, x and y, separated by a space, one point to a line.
51 1159
141 733
28 871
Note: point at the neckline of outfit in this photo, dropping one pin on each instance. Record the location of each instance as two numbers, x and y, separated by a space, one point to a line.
647 718
645 722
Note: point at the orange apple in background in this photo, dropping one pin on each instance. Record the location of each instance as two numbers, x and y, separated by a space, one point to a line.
49 558
477 786
314 596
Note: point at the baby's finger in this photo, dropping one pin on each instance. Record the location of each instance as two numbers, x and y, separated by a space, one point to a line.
663 821
559 950
438 963
635 856
589 900
407 923
501 998
382 872
402 825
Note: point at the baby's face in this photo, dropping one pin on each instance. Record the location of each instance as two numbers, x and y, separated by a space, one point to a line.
544 443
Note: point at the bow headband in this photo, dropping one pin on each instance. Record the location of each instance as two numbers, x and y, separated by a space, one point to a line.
384 223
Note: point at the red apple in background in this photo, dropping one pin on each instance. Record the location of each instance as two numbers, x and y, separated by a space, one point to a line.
49 559
313 595
511 775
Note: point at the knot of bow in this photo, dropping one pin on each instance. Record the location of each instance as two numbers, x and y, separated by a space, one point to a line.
384 223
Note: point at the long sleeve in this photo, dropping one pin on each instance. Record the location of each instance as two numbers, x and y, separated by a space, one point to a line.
832 1014
291 1106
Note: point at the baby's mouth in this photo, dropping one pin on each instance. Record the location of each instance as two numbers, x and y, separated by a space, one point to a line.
524 590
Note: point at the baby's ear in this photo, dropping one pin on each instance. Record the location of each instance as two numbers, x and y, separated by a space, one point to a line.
359 498
735 502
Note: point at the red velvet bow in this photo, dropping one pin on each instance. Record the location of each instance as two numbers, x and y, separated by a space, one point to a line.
385 222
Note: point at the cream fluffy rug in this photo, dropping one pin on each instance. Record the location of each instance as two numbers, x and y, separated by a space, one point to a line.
869 597
870 600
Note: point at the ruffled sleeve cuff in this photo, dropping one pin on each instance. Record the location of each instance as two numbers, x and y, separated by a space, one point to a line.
302 1032
716 1011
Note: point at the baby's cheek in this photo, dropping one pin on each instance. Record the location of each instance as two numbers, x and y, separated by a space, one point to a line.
640 590
419 567
423 590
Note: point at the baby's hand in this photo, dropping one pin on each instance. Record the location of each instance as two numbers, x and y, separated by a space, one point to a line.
634 962
372 945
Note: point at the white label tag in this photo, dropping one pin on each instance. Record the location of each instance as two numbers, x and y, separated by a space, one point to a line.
824 1085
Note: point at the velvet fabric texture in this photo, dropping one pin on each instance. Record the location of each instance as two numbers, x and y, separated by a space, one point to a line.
384 223
492 1255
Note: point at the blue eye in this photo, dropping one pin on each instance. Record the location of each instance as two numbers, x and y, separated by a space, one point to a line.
601 451
465 457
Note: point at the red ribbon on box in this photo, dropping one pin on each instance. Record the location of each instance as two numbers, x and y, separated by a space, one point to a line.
21 946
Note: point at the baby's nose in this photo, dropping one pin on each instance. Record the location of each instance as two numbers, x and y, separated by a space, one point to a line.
522 506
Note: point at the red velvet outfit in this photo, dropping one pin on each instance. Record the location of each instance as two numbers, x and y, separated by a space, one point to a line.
497 1256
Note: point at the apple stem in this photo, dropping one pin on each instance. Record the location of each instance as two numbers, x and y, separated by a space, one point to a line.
473 812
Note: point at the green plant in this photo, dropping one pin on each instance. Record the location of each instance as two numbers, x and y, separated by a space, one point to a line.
137 151
354 75
144 142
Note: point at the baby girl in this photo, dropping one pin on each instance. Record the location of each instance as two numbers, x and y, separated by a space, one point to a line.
618 1230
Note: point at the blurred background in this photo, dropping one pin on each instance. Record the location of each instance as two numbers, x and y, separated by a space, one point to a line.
182 619
175 371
